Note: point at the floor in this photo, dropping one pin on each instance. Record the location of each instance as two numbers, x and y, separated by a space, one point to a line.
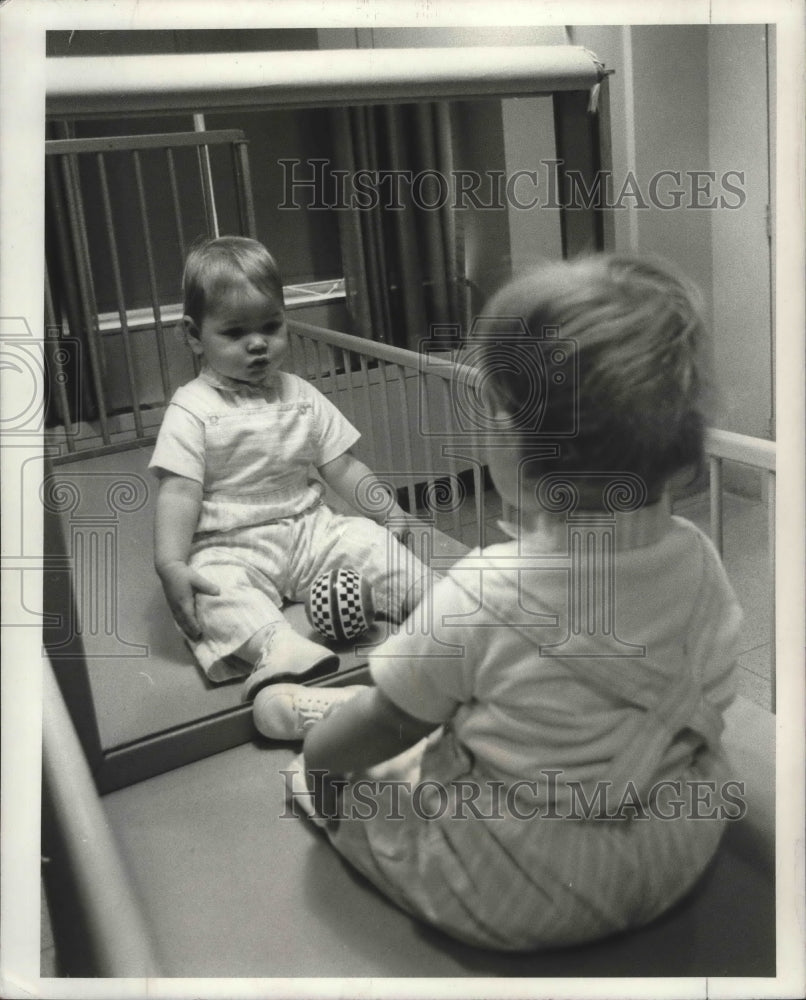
47 950
746 560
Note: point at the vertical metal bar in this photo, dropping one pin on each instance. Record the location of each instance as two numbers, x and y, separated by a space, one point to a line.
322 362
348 376
62 230
57 376
314 366
68 288
293 354
331 367
180 231
452 463
715 465
310 369
180 228
405 425
430 471
476 457
240 201
206 177
452 222
370 409
578 157
240 152
124 324
604 162
85 242
478 490
627 114
387 427
311 360
88 309
771 543
152 279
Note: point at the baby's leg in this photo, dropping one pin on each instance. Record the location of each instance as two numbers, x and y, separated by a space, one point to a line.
246 606
398 578
244 629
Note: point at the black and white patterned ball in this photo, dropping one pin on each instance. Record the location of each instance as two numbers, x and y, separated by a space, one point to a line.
340 604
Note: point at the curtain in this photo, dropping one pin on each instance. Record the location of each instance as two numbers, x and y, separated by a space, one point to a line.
402 246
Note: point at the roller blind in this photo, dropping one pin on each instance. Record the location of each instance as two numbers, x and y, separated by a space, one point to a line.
169 83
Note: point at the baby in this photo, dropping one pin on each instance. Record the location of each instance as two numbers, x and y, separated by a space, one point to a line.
241 525
552 745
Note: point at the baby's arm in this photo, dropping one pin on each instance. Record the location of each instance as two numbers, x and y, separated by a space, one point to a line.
344 475
363 731
178 507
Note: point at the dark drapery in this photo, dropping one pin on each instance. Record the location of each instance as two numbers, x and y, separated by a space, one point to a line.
402 244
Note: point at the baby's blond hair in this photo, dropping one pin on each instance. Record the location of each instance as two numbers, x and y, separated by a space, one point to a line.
635 402
213 265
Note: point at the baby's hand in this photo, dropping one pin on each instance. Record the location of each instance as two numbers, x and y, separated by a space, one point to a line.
181 584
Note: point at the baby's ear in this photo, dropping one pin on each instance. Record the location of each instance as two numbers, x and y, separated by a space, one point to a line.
191 332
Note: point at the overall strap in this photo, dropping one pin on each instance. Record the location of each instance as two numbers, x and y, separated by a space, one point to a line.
200 399
666 707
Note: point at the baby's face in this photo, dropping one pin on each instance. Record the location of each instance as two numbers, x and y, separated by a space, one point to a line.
243 335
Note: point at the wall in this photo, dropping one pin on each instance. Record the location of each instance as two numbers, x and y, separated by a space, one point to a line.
694 98
737 111
670 80
659 121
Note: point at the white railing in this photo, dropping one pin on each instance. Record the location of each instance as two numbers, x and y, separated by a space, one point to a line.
756 453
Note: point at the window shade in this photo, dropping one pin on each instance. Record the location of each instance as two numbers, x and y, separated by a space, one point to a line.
168 83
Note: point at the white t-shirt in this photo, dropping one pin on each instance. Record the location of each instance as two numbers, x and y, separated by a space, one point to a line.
617 665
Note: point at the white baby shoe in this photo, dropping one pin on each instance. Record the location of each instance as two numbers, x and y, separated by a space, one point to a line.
287 711
289 657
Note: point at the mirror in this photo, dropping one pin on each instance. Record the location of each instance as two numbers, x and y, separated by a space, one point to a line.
418 210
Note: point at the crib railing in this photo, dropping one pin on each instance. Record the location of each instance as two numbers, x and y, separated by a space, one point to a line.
756 453
100 209
403 404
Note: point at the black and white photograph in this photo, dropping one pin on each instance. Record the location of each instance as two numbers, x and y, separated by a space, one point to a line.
403 434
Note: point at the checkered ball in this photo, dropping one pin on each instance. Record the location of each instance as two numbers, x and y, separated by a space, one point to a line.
340 604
